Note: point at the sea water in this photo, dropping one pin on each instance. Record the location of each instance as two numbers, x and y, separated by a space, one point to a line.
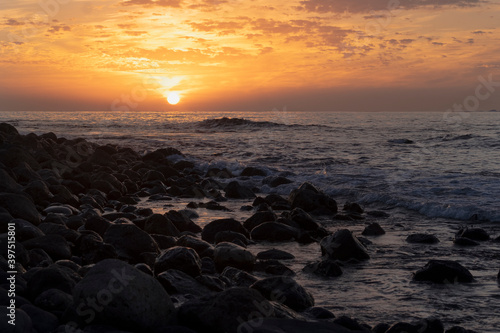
430 171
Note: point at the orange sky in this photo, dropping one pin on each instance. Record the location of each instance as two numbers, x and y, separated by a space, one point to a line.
247 55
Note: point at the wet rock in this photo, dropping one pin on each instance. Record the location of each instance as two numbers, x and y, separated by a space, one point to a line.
459 329
211 229
325 268
303 219
55 245
351 324
381 328
310 199
208 266
52 277
343 246
285 291
204 249
130 241
159 224
211 282
464 241
25 230
23 321
403 328
270 325
430 325
219 173
259 218
8 129
164 242
43 321
181 258
101 157
182 222
231 237
476 234
274 232
273 267
378 214
63 195
98 224
234 190
373 229
353 208
20 206
224 312
38 191
422 239
229 254
129 298
317 312
275 254
54 301
253 171
238 278
39 258
178 282
443 271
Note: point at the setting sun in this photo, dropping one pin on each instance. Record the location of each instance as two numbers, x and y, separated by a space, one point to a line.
173 98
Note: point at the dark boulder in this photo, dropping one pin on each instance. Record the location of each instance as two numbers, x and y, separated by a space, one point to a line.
229 254
130 241
25 230
464 241
343 246
54 276
211 229
181 258
232 237
234 190
310 199
273 181
7 183
422 239
182 222
127 297
373 229
224 312
273 267
303 219
317 312
161 225
274 232
54 301
259 218
204 249
55 245
178 282
459 329
19 206
476 234
286 291
325 268
403 328
238 278
275 254
271 325
252 171
443 271
43 321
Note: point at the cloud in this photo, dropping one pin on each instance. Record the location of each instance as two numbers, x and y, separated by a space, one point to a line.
56 28
150 3
135 33
13 22
369 6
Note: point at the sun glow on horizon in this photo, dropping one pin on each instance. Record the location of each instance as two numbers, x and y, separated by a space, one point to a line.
173 97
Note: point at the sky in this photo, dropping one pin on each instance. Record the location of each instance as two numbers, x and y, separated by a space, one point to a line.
311 55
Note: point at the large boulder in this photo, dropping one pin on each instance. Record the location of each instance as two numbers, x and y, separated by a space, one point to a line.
204 249
259 218
275 254
130 241
476 234
7 183
211 229
420 238
236 191
342 245
125 298
310 199
274 232
20 206
54 276
178 282
373 229
284 290
55 245
161 225
229 254
184 259
443 271
182 222
303 219
226 311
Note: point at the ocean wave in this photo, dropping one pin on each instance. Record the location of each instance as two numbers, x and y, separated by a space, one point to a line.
401 141
239 123
452 137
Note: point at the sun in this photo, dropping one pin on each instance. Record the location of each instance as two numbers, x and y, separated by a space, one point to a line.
173 97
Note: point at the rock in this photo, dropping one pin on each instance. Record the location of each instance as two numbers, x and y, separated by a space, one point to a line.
101 157
275 254
273 181
52 277
353 208
236 191
226 311
211 282
55 245
259 218
20 206
23 321
182 222
286 291
231 236
129 298
25 230
373 229
62 210
54 301
325 268
43 321
403 328
458 329
159 224
211 229
464 241
443 271
476 234
378 214
430 325
7 183
178 282
39 258
311 199
204 249
181 258
351 324
252 171
164 242
22 255
343 246
317 312
271 325
273 267
229 254
8 129
303 219
97 224
238 278
130 241
274 232
422 239
381 328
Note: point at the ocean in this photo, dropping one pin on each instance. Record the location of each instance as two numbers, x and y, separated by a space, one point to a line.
430 171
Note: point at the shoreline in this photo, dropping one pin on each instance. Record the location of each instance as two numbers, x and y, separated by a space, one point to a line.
74 204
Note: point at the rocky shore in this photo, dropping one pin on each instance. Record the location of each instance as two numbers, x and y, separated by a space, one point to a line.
88 258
